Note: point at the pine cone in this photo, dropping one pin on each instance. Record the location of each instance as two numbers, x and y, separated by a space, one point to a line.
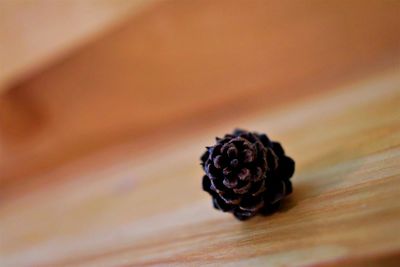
246 174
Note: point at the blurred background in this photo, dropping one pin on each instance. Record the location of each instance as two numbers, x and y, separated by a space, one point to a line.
79 76
81 81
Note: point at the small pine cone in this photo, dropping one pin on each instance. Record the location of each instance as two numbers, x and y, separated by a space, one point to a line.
246 174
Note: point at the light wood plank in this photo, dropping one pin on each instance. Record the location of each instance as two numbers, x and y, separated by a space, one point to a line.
149 211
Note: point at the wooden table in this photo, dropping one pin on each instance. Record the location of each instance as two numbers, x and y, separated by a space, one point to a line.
93 176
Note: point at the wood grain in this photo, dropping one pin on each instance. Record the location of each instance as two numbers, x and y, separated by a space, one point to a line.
141 212
99 150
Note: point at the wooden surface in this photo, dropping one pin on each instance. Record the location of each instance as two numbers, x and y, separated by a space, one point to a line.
151 210
99 150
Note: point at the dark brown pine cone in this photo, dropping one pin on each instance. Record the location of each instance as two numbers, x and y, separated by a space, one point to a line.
246 174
